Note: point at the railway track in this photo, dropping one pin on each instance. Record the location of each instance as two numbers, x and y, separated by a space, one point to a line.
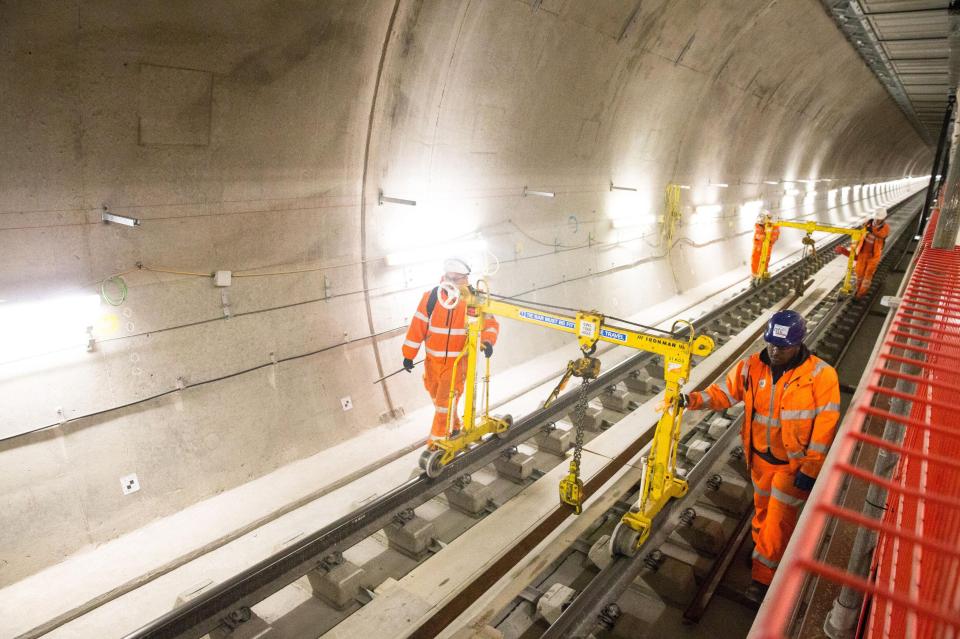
701 548
399 530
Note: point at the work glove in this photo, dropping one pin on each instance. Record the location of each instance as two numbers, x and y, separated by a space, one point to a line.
663 404
488 349
842 250
408 364
803 482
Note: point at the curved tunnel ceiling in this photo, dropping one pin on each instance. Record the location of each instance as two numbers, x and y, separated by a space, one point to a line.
906 44
259 138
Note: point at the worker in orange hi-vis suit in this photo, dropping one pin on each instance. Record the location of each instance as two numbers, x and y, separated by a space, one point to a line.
445 333
792 406
869 250
759 233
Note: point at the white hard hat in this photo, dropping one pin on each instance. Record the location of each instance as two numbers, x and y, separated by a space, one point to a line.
880 215
456 265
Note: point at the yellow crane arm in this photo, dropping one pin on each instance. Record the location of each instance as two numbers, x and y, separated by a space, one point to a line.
811 227
590 328
661 482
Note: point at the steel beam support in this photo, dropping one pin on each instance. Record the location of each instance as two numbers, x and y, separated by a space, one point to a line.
948 224
939 160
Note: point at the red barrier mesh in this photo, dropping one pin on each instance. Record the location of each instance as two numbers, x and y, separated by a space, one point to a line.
914 587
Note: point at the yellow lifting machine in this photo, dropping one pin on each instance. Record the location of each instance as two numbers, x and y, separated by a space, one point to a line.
810 227
660 482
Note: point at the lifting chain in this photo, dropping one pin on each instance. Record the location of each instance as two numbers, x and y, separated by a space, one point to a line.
571 487
579 412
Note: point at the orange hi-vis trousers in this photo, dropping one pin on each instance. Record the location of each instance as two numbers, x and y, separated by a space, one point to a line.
438 373
865 267
777 505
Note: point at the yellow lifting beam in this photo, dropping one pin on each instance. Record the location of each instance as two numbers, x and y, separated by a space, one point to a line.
856 234
660 480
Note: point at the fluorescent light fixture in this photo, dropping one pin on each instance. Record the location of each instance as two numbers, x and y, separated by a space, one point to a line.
685 187
720 185
467 249
614 187
527 192
709 209
107 217
386 199
627 221
35 328
771 182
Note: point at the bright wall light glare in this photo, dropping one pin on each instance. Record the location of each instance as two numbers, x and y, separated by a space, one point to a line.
35 328
468 250
791 192
627 221
709 209
751 208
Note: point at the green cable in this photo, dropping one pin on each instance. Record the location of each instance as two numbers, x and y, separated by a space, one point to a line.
121 286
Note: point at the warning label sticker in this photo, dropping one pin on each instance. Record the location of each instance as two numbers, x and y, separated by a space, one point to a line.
587 329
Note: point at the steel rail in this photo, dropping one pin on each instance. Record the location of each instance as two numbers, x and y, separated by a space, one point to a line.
580 617
232 598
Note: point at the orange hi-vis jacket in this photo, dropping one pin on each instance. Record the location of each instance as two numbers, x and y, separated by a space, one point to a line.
794 420
759 235
444 330
871 244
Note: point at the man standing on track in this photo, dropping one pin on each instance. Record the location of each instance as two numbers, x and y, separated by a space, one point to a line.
759 235
792 406
869 250
445 332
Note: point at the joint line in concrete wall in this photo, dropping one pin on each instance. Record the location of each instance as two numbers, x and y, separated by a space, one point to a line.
363 207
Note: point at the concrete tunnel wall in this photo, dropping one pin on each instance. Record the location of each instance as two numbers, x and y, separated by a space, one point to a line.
256 137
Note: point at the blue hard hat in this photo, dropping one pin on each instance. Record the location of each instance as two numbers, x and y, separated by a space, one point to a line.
785 329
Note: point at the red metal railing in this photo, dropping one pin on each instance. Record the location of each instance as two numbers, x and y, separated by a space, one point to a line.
913 588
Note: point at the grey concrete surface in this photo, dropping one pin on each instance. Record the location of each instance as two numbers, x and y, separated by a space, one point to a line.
256 136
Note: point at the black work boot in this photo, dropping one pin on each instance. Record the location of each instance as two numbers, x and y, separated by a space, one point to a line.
755 592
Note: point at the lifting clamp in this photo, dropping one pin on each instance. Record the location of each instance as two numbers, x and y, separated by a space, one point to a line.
586 368
855 234
677 347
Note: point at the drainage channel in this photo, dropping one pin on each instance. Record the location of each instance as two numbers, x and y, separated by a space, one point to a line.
337 568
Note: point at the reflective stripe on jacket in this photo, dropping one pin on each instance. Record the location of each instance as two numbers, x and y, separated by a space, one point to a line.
444 331
794 420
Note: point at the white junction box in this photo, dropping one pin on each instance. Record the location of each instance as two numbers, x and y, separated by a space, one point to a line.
222 278
130 483
346 403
